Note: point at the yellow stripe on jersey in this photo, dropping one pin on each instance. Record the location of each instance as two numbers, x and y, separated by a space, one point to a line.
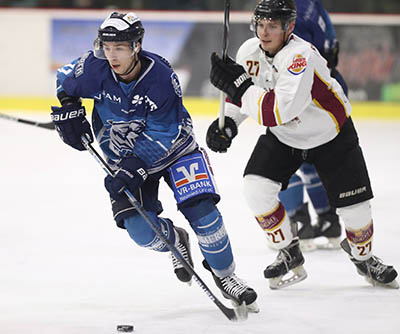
260 121
278 116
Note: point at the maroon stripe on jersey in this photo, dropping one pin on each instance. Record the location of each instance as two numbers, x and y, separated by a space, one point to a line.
267 109
272 220
229 100
328 100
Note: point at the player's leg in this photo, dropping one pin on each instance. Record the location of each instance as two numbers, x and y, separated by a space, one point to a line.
328 225
267 172
141 232
293 200
342 168
195 192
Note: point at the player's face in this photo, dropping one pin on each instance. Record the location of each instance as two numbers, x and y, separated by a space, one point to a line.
119 55
271 34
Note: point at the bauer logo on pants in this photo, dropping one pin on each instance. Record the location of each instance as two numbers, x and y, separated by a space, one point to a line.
190 177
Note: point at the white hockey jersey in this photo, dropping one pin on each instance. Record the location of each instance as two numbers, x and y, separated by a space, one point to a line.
293 94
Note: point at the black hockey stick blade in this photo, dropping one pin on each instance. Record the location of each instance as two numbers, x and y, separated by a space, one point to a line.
45 125
228 312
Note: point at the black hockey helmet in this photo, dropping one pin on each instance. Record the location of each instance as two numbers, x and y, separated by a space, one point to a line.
118 27
282 10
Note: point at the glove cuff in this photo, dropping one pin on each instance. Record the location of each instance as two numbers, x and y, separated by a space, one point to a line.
231 124
236 99
132 164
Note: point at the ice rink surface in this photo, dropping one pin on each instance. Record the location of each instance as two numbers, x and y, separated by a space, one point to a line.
65 268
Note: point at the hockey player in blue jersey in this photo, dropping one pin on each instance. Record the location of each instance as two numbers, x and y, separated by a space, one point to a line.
314 25
146 134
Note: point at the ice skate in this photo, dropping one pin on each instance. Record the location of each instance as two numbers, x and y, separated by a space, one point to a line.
290 260
305 230
327 231
243 298
374 270
184 249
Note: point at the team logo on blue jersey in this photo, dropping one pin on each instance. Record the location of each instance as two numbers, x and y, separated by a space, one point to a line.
138 100
176 84
123 135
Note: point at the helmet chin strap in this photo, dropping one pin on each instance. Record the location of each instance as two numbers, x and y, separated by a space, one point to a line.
132 67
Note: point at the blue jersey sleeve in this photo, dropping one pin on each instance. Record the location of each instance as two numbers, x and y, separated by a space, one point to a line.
314 25
82 77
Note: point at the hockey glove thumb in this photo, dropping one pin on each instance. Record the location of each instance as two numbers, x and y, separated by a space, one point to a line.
131 175
71 124
220 140
229 77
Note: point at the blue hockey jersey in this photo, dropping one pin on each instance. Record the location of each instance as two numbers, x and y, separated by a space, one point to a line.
146 119
314 25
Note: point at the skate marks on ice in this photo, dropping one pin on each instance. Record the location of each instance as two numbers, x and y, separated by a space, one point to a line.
66 268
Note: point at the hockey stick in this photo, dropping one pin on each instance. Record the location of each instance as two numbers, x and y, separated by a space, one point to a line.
228 312
225 41
47 125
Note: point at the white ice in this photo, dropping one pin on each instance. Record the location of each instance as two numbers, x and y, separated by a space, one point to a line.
65 268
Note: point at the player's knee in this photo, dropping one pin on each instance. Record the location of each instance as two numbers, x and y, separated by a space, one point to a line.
356 216
261 193
139 230
197 207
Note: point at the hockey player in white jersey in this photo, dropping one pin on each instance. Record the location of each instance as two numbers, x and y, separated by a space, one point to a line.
283 83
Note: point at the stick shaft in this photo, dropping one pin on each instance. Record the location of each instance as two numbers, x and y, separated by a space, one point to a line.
45 125
229 313
225 43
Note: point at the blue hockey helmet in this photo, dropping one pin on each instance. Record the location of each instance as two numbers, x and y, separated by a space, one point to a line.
282 10
119 27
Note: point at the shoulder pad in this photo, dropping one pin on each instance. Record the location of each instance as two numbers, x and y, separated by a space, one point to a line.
249 47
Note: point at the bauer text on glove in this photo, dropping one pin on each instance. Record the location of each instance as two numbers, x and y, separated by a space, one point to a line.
131 175
71 124
229 77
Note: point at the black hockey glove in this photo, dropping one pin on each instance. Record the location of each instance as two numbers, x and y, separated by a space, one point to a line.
229 77
131 175
220 140
71 124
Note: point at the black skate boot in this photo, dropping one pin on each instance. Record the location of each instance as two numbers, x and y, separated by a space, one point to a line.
328 226
237 291
289 259
184 249
305 230
374 270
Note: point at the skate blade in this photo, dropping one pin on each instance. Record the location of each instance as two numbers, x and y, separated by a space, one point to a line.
253 308
392 285
298 275
241 311
327 243
307 245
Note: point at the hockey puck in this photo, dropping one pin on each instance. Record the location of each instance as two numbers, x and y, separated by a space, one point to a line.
125 328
